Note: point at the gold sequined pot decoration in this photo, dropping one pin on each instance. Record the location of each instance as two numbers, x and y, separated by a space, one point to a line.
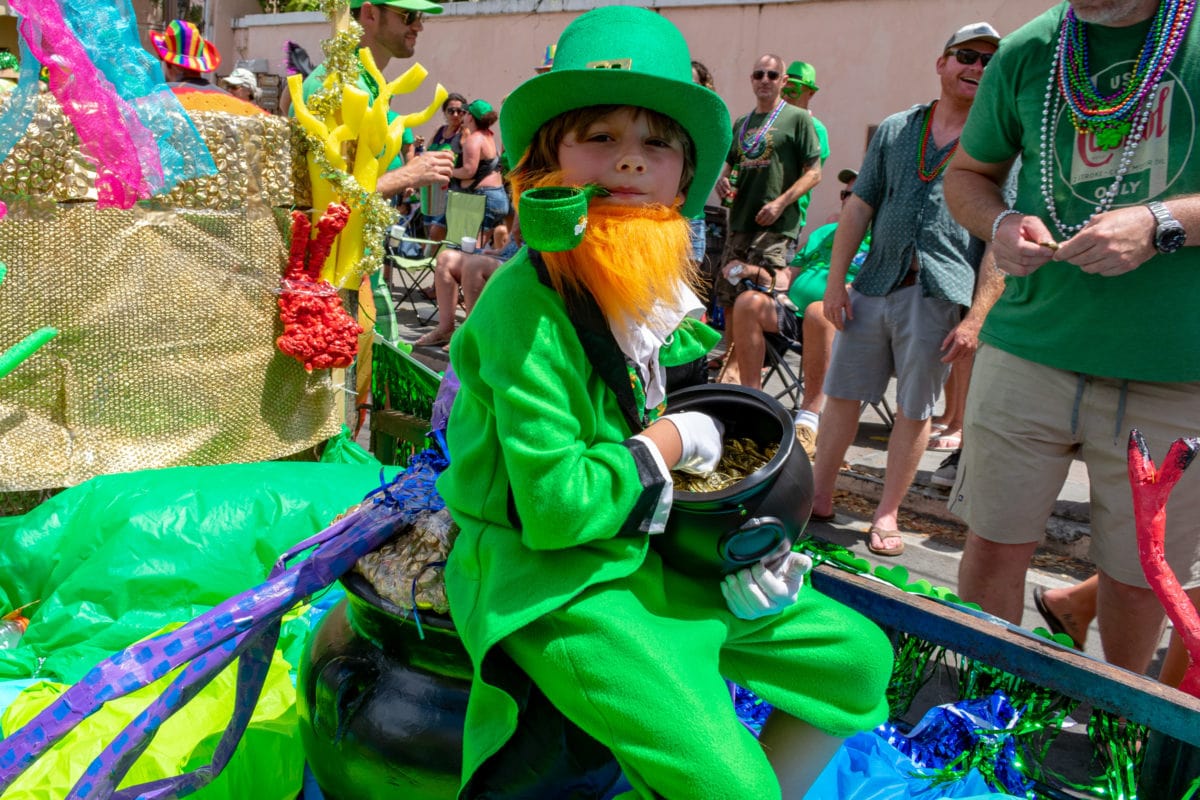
167 313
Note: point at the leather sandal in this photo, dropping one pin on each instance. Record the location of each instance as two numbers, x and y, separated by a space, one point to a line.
879 533
1050 618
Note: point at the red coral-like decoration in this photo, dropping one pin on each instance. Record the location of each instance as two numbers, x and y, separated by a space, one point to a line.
1151 487
317 330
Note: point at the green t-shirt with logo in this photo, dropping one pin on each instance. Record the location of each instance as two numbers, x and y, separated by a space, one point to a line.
1142 325
769 164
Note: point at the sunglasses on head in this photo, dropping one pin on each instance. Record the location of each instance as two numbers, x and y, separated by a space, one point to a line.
967 56
759 73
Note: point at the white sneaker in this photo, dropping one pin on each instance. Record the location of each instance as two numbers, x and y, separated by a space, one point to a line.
947 471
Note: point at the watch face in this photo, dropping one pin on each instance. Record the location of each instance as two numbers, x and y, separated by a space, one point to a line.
1170 239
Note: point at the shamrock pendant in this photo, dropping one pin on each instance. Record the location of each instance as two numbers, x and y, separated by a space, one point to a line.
1110 136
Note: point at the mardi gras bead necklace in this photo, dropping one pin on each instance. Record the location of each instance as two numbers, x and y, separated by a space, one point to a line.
925 173
1110 117
1126 120
753 148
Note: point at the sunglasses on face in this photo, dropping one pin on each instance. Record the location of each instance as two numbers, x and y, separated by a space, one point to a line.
455 112
770 73
409 17
967 56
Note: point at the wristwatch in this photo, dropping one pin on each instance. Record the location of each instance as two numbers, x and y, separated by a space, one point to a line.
1169 235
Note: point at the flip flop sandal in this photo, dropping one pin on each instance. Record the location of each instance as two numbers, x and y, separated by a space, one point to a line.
1052 622
945 442
433 339
881 534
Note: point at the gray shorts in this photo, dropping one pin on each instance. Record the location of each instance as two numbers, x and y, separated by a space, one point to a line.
898 334
1025 422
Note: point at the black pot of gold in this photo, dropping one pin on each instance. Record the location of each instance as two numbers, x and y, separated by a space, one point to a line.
757 502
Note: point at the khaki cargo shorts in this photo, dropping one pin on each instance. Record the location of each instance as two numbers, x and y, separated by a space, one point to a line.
1025 422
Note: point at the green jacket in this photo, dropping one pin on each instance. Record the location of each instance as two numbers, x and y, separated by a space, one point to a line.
549 495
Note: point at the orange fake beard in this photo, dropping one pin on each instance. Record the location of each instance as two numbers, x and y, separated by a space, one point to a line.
631 257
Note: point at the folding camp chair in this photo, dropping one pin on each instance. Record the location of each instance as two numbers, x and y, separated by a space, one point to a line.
464 217
780 353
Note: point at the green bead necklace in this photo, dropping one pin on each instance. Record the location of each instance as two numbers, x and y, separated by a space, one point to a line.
928 174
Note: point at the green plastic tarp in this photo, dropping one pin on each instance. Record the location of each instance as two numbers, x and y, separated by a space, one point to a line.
121 557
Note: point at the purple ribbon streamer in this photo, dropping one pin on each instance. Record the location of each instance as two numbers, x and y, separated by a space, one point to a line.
245 626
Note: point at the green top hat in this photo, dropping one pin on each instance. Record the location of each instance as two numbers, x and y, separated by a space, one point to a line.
804 74
622 55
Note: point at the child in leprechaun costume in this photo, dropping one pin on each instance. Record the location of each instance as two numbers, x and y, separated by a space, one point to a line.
560 455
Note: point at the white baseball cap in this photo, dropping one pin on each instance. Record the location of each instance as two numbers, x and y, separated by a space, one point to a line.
976 31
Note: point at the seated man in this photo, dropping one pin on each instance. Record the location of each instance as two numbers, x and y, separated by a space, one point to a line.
469 271
758 313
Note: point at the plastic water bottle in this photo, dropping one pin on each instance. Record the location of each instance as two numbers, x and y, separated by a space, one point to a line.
12 627
11 631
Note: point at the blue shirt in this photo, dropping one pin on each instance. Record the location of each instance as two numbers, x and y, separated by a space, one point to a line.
911 217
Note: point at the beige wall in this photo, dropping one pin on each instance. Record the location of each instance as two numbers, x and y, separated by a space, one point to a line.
873 57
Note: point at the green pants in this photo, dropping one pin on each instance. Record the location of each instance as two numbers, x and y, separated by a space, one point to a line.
639 664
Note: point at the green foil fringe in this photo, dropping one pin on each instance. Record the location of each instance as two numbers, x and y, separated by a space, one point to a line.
1117 744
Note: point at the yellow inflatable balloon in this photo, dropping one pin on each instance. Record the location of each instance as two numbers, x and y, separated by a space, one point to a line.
364 124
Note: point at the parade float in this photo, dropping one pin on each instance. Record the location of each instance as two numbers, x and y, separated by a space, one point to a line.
182 626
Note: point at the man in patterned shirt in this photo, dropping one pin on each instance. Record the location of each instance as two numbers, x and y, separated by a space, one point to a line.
904 313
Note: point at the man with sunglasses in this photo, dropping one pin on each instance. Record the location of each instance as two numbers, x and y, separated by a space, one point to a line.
903 314
1096 332
390 30
798 91
776 153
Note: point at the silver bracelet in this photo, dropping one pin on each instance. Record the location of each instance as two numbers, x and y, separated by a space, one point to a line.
1008 212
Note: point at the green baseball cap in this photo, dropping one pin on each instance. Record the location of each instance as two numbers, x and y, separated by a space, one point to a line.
622 55
803 73
423 6
479 108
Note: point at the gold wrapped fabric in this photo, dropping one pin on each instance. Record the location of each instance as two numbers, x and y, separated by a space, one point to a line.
167 314
403 571
252 154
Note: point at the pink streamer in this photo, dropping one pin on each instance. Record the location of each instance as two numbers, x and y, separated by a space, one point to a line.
109 131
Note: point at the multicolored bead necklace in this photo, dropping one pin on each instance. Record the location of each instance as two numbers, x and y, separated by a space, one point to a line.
924 173
1127 114
755 147
1110 117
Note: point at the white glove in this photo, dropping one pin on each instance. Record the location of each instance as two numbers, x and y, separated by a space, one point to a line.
701 435
760 591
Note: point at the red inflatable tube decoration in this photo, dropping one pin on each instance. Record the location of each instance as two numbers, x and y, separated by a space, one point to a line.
1151 488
